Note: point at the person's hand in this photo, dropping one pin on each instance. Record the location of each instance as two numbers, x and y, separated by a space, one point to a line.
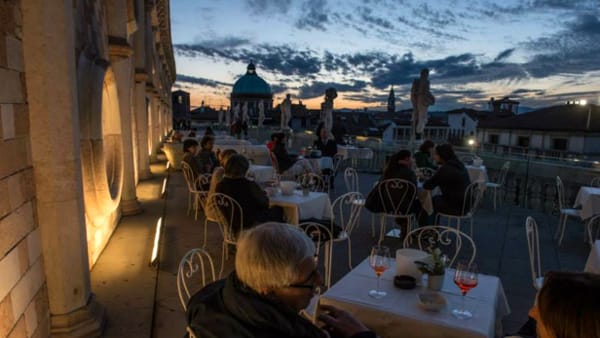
340 321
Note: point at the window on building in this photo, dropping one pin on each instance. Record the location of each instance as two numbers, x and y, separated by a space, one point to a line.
559 144
523 141
180 99
494 138
464 121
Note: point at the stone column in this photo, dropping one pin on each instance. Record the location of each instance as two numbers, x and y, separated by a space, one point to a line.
48 41
139 96
122 68
154 134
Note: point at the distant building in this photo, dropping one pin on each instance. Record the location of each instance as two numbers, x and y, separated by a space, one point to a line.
462 123
504 106
181 107
391 103
252 89
559 131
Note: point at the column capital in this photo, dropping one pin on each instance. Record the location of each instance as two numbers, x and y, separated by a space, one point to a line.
119 48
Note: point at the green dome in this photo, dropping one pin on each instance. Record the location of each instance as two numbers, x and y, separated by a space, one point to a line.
251 84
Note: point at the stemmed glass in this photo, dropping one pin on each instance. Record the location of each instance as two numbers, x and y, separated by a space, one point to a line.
465 278
379 260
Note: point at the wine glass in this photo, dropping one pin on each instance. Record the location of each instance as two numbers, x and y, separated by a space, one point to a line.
465 278
379 260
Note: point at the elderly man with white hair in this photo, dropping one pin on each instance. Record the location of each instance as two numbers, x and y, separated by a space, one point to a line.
275 277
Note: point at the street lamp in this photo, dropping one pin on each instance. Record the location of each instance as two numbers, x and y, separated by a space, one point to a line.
471 143
589 113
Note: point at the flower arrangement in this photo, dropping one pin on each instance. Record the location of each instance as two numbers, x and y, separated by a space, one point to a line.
435 265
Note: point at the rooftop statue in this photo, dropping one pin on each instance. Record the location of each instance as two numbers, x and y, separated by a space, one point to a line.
286 112
261 113
245 117
327 108
421 98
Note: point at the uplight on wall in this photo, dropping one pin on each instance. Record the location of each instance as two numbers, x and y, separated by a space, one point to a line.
154 257
164 187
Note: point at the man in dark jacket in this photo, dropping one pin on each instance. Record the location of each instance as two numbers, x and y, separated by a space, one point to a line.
276 275
249 195
452 178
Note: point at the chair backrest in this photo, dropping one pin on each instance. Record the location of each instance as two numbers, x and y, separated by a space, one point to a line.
593 222
337 161
319 234
425 173
503 172
533 246
203 181
396 196
345 210
192 271
314 181
189 176
229 215
560 192
448 239
595 182
351 179
473 195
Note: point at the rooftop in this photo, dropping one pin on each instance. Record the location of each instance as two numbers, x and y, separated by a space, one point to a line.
143 302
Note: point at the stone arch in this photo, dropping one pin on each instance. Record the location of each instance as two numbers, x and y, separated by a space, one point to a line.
101 150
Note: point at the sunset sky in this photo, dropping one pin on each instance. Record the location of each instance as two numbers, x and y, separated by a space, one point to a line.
541 52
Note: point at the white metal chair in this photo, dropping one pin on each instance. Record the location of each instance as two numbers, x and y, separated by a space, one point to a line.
396 197
229 217
564 211
194 262
321 236
470 203
445 238
594 221
533 246
595 182
351 180
315 182
345 211
190 180
495 186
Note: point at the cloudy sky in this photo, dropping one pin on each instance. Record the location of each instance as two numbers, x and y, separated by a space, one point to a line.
541 52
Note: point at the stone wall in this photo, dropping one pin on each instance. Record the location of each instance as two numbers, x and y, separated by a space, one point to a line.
23 295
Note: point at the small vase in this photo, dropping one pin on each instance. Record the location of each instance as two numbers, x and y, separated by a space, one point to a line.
305 191
435 282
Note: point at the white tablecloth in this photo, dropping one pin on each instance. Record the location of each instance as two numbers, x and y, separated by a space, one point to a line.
355 152
262 173
297 206
593 261
477 173
589 200
398 314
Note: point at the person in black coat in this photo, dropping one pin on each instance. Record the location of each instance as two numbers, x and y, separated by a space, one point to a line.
452 178
249 195
275 277
287 162
323 143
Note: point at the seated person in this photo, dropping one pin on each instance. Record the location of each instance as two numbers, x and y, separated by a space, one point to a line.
399 166
275 277
289 163
271 143
567 306
328 148
216 177
452 178
207 159
249 195
190 148
423 156
323 143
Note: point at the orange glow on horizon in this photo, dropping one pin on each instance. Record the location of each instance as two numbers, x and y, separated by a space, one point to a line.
218 101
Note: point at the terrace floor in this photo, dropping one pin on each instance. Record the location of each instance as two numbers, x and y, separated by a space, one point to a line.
142 301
